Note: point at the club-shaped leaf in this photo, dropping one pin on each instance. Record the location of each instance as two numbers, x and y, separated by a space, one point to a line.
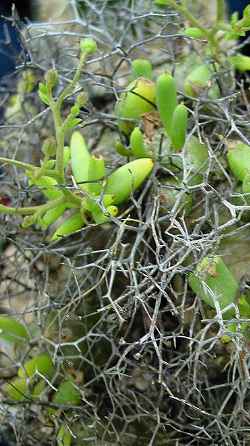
166 99
141 68
52 215
179 127
137 100
80 159
199 81
69 226
213 282
127 178
137 145
96 172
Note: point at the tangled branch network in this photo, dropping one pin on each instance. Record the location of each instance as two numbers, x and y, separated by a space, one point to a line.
111 304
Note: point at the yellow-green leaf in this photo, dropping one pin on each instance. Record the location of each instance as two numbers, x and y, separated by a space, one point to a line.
129 177
12 330
69 226
80 158
17 389
49 187
141 68
42 364
166 98
139 99
96 172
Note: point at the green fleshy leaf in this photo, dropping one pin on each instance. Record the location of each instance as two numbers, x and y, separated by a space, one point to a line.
64 437
240 62
17 389
80 159
127 178
212 281
41 363
43 93
67 394
69 226
238 158
72 123
141 68
12 330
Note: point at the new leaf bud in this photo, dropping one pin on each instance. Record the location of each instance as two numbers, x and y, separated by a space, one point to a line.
88 46
82 99
51 78
49 147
